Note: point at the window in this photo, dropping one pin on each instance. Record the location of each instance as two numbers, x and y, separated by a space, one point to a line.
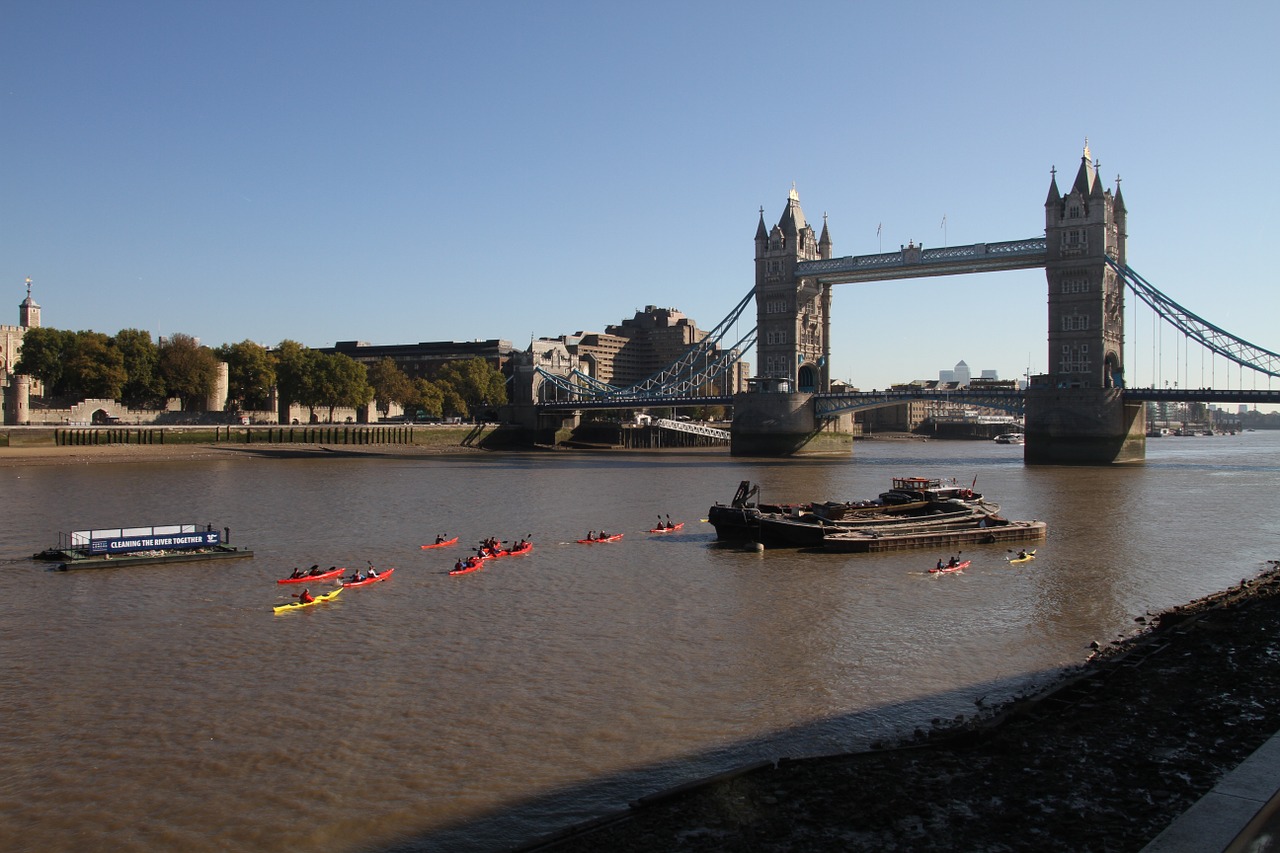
1075 285
1075 322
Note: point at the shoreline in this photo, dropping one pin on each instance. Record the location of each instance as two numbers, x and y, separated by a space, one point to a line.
12 457
1104 758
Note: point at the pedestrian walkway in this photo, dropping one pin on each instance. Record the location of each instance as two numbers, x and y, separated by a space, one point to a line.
1241 813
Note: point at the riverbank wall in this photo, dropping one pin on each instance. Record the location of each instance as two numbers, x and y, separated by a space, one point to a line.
478 436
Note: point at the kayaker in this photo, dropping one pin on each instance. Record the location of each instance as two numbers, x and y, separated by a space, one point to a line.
314 570
356 577
373 573
940 566
440 538
953 562
457 567
297 573
305 597
591 536
1022 555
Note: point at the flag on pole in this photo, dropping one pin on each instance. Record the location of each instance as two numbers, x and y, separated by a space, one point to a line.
944 221
878 227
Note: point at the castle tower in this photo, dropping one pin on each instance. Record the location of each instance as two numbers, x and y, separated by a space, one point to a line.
29 311
1086 296
792 317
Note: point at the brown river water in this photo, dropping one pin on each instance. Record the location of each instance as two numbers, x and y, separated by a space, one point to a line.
167 708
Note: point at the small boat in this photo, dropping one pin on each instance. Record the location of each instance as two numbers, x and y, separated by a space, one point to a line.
332 573
614 538
381 576
675 526
470 564
958 567
517 551
1011 438
445 543
298 605
1031 555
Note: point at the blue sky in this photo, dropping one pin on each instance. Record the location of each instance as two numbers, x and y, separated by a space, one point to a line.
410 171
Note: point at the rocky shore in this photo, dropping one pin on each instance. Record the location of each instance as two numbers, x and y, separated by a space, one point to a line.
1103 761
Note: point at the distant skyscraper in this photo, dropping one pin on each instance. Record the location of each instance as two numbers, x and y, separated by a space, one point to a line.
962 374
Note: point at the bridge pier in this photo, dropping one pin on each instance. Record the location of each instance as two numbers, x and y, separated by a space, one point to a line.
767 423
1083 426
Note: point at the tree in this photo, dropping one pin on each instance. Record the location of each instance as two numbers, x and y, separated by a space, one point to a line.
295 375
94 367
44 353
476 382
390 385
143 385
341 381
251 374
428 398
189 370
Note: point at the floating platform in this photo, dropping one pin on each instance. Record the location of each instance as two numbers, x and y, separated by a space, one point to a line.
74 559
869 542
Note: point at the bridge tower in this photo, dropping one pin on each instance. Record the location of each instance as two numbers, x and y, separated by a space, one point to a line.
1075 414
793 318
793 332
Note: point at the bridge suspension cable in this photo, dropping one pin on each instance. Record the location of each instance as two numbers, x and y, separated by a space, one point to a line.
685 377
1211 337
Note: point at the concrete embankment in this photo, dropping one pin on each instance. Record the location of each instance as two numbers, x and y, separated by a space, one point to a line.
478 436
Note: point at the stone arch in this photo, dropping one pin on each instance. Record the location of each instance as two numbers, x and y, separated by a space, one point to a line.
1113 372
807 378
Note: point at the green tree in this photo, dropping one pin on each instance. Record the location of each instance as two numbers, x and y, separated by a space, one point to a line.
94 367
341 381
390 385
251 374
295 375
44 354
476 382
143 385
428 398
188 369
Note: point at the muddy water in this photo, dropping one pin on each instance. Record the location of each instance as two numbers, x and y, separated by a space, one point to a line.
166 708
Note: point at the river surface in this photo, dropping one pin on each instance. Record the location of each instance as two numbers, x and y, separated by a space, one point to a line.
167 708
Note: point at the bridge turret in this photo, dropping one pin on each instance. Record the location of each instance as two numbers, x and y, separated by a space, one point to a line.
1083 229
792 312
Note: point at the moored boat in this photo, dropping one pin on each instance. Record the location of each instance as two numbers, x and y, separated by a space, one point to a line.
133 546
909 502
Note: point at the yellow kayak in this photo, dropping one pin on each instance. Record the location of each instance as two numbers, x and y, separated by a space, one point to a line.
298 605
1031 555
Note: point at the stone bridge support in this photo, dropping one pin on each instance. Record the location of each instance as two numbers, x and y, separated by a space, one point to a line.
783 424
1083 426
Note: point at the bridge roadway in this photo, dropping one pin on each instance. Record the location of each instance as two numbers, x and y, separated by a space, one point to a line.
1005 399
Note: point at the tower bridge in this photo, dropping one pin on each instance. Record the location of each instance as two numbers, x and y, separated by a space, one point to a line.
1079 412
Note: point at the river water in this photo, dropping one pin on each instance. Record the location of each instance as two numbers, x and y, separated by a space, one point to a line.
168 708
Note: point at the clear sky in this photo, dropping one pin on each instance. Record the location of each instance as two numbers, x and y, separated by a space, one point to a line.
396 172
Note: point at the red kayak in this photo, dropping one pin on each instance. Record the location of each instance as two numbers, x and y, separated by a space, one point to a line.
516 552
675 526
453 541
958 567
381 576
332 573
468 565
614 538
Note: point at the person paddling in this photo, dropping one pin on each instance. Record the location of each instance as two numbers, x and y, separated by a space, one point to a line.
297 573
305 597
